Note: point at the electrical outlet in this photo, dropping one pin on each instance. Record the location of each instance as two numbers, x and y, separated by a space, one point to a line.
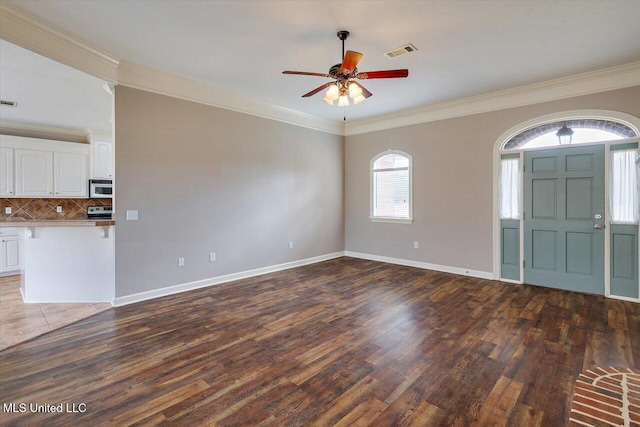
212 257
290 245
180 262
7 211
416 245
59 209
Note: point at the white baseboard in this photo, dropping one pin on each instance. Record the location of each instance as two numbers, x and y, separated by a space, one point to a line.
515 282
427 266
170 290
623 298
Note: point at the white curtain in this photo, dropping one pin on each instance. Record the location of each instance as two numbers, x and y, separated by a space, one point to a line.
624 187
510 189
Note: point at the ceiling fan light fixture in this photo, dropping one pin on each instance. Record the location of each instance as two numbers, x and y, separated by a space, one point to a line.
343 101
354 90
328 100
358 99
333 92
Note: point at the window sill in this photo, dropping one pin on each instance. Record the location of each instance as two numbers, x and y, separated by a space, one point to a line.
391 220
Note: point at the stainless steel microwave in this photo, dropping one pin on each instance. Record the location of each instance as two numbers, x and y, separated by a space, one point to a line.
100 189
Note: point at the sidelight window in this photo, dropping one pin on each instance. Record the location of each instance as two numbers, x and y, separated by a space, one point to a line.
510 188
624 187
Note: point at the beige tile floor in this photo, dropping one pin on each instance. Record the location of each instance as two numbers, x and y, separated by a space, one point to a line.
20 321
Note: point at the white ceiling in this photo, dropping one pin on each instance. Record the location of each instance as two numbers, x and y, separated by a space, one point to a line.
51 94
466 48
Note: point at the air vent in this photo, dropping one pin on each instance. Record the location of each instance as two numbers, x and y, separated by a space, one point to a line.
8 103
408 48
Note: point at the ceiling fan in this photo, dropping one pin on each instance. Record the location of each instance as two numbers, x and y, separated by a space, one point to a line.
344 85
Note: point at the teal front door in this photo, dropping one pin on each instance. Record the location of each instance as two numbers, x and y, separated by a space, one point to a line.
564 217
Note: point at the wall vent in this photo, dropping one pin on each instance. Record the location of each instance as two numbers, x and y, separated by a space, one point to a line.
8 103
408 48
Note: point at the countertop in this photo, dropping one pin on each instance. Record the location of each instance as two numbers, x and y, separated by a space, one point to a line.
57 223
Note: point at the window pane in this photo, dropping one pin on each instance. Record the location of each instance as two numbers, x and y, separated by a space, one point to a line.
391 161
580 136
510 189
391 192
624 187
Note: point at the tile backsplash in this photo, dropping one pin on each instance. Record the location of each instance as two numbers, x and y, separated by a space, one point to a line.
41 209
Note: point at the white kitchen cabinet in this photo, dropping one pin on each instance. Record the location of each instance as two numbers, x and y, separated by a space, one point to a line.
32 167
34 173
102 160
6 172
10 259
70 175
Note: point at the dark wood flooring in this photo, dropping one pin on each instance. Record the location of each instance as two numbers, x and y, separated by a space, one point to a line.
344 342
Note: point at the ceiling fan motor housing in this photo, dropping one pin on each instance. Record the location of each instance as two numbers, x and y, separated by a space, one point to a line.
334 71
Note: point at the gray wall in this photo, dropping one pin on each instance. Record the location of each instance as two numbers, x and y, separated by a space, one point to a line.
206 179
453 182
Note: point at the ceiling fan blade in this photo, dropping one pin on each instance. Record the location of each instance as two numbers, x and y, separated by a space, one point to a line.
305 73
350 62
318 89
384 74
365 92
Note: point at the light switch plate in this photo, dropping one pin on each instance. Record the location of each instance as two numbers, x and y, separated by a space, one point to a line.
7 210
132 215
59 209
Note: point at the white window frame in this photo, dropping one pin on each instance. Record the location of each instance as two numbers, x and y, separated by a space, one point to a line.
372 196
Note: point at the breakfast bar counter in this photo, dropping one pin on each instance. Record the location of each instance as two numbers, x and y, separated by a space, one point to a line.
66 260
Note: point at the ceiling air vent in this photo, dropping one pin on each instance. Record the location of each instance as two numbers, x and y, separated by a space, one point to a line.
408 48
8 103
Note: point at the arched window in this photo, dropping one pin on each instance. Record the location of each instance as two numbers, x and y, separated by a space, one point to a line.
584 130
391 187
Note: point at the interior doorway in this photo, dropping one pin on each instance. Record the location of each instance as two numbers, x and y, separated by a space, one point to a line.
54 104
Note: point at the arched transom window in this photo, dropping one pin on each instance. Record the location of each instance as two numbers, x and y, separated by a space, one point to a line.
391 191
583 131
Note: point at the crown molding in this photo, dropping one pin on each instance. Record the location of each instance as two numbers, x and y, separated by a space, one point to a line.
152 80
33 34
566 87
34 130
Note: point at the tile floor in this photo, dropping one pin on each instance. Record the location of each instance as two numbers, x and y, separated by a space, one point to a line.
20 322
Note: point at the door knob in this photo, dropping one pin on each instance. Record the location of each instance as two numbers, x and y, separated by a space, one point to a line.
598 226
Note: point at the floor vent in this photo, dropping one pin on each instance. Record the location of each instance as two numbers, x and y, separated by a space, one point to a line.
8 103
408 48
